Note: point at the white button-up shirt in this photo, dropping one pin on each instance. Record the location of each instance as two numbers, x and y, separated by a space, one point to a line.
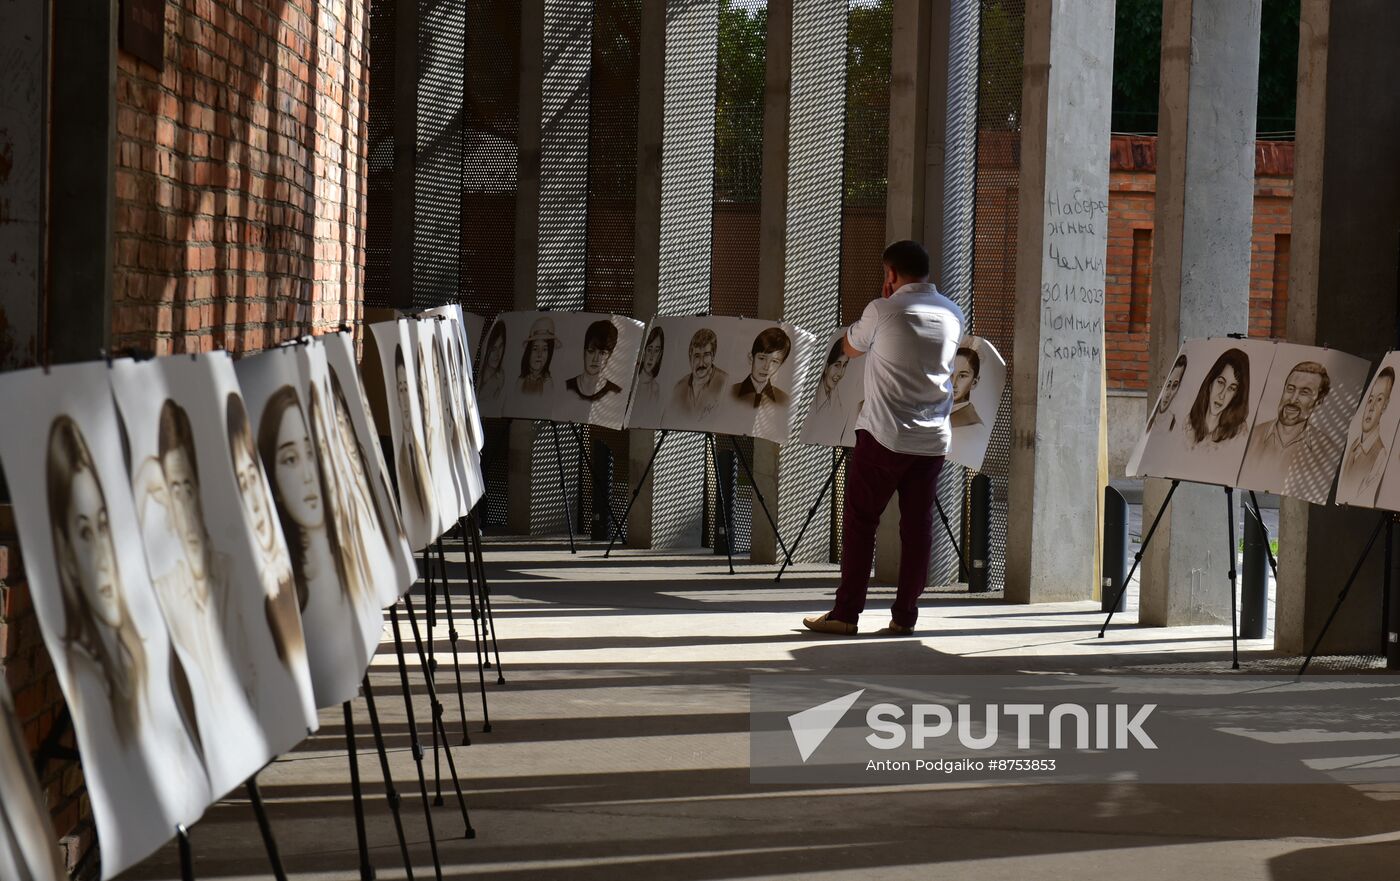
910 340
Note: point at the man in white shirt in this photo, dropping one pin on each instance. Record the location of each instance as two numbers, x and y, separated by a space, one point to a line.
910 337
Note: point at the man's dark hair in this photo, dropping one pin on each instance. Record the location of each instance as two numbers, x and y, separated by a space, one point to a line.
974 360
1386 374
907 258
176 433
771 341
600 335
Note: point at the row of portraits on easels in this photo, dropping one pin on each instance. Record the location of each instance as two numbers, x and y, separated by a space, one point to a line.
978 380
1272 417
210 545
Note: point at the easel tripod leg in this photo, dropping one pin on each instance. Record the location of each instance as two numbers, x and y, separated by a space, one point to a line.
391 794
588 464
725 510
637 491
274 857
489 615
452 637
1137 558
758 493
437 720
357 795
1346 588
563 486
811 514
1234 599
948 528
417 747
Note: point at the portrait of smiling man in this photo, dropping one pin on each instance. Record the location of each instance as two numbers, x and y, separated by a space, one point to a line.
1291 440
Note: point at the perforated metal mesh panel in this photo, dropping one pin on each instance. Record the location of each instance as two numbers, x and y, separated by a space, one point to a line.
488 182
738 181
687 205
437 207
379 132
994 248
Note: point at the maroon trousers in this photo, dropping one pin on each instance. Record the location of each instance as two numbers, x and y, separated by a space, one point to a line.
873 475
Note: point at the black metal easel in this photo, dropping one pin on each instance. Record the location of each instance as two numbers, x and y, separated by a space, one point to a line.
726 510
1147 539
415 745
1385 521
453 636
563 485
837 460
476 560
758 493
274 857
182 835
637 490
357 796
391 794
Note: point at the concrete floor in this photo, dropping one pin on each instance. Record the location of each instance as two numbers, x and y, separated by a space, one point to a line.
619 749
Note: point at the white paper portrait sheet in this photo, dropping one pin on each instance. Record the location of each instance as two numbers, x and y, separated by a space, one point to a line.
520 372
249 701
284 391
458 402
28 851
96 608
597 360
1370 443
721 374
465 331
1163 408
831 420
979 377
1202 436
435 421
413 480
1300 430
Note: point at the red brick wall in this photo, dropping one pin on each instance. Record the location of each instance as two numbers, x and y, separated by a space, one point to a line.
239 223
240 176
1131 204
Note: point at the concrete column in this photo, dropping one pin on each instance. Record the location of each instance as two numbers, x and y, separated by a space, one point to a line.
519 501
1058 375
1200 271
82 179
675 203
800 266
1345 217
551 228
918 135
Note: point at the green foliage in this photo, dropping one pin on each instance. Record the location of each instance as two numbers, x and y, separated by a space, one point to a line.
739 103
869 31
1137 59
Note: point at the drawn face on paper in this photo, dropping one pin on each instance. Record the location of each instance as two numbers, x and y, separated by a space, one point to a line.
347 433
595 359
651 355
401 389
964 379
496 352
1376 402
1171 387
184 499
254 495
297 482
762 366
539 357
702 361
835 372
89 537
1301 392
1223 390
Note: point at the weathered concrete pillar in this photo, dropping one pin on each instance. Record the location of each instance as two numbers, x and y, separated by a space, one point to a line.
800 262
1200 271
1345 217
1058 376
675 204
551 227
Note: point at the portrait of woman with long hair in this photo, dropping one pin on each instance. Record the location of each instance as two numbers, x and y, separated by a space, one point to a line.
411 462
299 495
831 418
491 383
99 635
274 564
1221 407
347 522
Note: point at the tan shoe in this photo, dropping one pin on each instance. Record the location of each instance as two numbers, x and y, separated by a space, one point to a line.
824 624
895 630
